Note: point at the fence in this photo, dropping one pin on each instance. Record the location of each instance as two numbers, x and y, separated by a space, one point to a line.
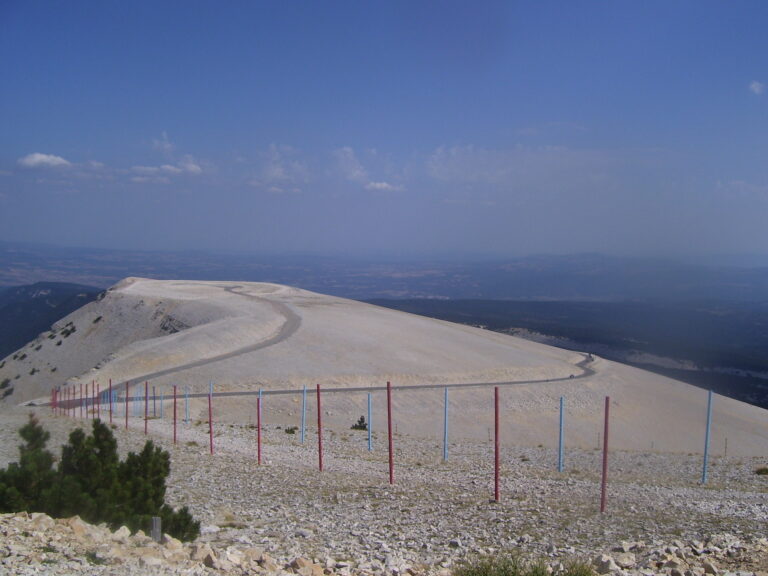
74 401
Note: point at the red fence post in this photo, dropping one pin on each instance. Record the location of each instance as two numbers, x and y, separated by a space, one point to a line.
319 430
110 401
496 447
389 434
146 405
81 399
604 483
258 428
174 413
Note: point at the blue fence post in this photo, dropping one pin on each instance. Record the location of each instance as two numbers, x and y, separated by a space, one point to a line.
560 449
445 424
303 412
370 424
162 405
706 438
186 405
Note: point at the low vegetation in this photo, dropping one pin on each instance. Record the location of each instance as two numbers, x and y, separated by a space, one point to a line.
514 565
92 482
361 424
762 471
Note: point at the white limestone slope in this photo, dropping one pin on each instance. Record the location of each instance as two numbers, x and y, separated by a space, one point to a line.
246 336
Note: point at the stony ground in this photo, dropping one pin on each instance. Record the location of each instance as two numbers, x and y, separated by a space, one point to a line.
285 515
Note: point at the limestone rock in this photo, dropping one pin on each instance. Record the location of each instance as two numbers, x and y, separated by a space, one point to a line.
605 564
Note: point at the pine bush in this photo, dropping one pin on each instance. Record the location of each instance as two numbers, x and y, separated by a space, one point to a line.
92 482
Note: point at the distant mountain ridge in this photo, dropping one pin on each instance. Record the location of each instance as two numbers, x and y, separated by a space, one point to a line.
26 311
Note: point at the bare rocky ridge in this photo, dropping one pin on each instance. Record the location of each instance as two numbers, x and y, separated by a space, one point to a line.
249 336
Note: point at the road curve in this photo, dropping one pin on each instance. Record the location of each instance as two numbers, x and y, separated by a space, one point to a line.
289 327
586 372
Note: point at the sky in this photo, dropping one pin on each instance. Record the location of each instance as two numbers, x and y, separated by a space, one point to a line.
386 128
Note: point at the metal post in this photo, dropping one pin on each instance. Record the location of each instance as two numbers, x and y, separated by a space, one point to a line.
110 400
162 405
389 434
86 399
445 424
261 401
154 402
210 416
319 430
496 447
157 531
604 483
370 423
146 405
706 438
560 444
258 428
126 404
186 405
98 401
81 399
174 413
303 412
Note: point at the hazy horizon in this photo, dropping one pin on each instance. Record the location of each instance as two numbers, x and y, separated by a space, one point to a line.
393 129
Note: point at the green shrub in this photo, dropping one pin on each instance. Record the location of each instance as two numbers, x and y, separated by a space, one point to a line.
762 471
360 424
92 482
514 565
291 429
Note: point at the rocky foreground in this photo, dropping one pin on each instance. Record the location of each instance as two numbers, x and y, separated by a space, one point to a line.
287 517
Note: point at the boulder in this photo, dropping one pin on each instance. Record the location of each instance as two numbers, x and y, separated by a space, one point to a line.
626 560
604 564
121 535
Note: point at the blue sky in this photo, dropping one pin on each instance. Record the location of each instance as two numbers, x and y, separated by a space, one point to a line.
370 128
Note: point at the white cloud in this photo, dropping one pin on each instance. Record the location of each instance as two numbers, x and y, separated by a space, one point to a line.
38 160
189 164
743 189
756 87
384 186
352 169
150 179
164 145
281 171
349 165
522 166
